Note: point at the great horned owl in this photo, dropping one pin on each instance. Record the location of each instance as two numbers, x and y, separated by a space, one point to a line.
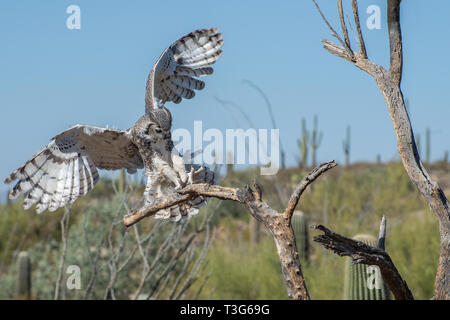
66 168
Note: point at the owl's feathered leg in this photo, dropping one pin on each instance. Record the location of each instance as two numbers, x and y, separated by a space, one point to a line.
167 171
151 189
179 167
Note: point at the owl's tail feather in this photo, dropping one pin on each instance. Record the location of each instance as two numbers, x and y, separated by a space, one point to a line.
177 213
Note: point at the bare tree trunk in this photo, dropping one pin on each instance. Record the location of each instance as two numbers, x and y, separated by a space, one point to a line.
278 223
388 82
284 238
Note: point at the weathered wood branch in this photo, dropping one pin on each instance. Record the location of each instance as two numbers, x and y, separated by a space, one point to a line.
343 26
278 223
362 46
388 81
395 41
344 47
362 253
301 187
333 32
144 212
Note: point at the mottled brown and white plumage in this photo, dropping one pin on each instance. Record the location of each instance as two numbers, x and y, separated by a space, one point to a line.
66 168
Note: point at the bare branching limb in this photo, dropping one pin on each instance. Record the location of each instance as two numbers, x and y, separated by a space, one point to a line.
266 100
148 272
388 81
278 223
227 103
64 231
395 41
95 271
272 117
343 26
187 193
301 187
169 267
362 46
199 265
200 289
163 252
187 261
362 253
113 267
333 32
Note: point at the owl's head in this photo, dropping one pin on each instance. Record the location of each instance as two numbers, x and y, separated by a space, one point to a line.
153 127
162 119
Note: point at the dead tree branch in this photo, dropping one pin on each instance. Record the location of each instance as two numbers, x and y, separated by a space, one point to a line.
279 224
388 81
301 187
362 253
343 26
362 46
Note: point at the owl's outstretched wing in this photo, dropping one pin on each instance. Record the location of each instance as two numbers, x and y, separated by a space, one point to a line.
172 76
66 168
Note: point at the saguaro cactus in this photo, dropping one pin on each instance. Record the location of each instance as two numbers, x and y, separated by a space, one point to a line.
363 282
303 145
315 141
300 227
23 288
346 146
427 145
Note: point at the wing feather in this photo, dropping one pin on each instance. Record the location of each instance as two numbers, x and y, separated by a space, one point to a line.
186 58
181 91
187 82
66 168
61 180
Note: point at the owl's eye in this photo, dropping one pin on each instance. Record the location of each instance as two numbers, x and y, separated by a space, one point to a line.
158 130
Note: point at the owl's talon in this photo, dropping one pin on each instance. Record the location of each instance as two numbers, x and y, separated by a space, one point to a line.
190 175
180 186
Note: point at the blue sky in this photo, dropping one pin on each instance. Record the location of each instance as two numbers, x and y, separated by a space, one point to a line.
52 78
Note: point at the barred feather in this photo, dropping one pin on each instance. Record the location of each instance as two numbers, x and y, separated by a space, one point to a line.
185 71
181 91
65 198
61 176
66 168
188 57
187 82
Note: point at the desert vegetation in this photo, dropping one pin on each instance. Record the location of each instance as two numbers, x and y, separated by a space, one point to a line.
352 199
